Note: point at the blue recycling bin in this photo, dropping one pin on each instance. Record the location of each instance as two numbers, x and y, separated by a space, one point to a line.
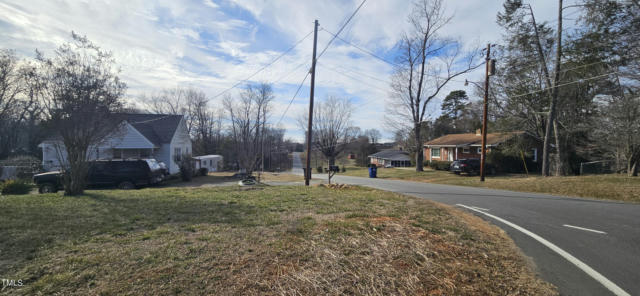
373 172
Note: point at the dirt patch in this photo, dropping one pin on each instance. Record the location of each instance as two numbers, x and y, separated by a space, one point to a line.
335 186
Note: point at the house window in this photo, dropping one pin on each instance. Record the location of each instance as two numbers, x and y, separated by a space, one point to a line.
535 154
178 154
479 150
466 150
435 152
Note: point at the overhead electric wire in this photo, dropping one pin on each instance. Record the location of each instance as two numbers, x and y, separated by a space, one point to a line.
264 67
564 84
361 49
321 53
293 98
341 28
354 78
364 74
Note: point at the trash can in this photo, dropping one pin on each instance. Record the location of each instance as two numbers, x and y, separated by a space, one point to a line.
373 171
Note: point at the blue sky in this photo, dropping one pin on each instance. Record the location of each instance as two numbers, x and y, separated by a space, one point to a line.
212 44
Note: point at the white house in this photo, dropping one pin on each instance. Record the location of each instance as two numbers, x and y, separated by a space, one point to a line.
212 163
160 136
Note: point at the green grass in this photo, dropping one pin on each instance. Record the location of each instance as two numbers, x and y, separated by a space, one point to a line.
612 187
265 240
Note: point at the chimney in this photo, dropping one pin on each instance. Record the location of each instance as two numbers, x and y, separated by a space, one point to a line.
479 132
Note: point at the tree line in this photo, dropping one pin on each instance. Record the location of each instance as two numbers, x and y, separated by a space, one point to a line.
75 95
576 90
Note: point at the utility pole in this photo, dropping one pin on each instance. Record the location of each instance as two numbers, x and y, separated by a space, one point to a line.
307 175
490 68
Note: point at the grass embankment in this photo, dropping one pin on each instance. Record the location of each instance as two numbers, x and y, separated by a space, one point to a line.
266 240
613 187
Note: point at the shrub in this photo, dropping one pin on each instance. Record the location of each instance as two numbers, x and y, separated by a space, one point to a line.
319 169
344 169
203 171
426 163
15 187
186 168
507 163
440 165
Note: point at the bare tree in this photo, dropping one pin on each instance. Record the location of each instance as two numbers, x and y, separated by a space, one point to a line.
427 64
178 101
332 127
374 135
619 128
249 115
82 93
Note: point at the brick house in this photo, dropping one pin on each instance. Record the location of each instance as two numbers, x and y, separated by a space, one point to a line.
460 146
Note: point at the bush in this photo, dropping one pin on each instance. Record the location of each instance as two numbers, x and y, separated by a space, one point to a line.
426 163
344 169
15 187
319 169
506 163
203 171
186 168
440 165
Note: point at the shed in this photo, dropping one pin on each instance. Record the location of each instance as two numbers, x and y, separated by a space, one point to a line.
212 163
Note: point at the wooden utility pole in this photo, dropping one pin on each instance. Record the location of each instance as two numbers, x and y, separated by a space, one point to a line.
307 175
483 156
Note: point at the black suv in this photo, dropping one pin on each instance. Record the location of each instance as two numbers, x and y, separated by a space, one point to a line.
125 174
469 166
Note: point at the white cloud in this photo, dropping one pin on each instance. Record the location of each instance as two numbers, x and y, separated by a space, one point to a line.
201 44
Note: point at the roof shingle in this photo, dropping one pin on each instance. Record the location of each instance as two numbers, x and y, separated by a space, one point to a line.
471 139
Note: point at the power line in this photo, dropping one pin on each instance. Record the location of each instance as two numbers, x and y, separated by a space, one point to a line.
364 74
321 53
354 78
264 67
578 67
564 84
342 28
293 98
360 48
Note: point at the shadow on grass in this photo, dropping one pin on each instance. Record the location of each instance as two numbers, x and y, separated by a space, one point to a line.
31 223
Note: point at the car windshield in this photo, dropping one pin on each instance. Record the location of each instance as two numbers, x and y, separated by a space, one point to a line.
153 164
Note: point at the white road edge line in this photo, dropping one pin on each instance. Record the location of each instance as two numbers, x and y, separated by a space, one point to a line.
479 208
584 267
585 229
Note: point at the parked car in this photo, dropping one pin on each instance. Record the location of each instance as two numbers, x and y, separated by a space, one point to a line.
164 169
124 174
470 166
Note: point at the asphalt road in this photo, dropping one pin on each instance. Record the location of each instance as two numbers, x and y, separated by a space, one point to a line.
599 257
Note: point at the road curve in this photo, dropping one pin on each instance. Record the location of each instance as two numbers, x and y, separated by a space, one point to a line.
603 235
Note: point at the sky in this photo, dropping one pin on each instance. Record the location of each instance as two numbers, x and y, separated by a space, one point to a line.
213 44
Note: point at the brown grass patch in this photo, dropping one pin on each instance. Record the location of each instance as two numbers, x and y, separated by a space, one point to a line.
273 241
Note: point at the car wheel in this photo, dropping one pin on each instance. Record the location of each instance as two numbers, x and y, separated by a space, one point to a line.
47 188
457 173
126 185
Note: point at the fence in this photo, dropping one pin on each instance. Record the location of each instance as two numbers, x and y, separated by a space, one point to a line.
18 170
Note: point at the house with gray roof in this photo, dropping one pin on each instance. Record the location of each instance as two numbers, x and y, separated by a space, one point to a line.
159 136
393 158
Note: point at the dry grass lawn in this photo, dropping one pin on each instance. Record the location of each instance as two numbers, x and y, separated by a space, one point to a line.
265 240
613 187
